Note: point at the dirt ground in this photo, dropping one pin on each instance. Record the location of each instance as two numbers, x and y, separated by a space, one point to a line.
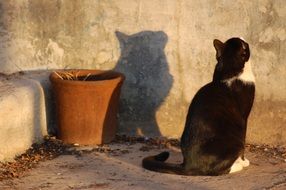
118 166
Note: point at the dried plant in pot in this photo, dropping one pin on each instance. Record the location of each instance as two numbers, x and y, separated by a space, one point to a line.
86 105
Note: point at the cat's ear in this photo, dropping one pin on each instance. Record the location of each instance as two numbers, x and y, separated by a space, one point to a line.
122 38
218 47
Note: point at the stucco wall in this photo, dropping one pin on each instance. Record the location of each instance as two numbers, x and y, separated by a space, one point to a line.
163 46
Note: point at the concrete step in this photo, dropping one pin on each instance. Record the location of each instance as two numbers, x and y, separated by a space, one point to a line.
23 112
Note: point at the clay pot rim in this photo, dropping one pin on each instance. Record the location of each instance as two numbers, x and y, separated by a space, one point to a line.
113 76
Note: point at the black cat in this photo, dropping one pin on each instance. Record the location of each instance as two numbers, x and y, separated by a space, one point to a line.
214 136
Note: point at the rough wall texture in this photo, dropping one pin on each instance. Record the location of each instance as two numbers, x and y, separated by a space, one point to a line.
164 48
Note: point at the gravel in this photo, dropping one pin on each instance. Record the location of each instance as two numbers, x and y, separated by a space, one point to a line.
52 148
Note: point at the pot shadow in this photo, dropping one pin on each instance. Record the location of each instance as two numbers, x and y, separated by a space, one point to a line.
147 83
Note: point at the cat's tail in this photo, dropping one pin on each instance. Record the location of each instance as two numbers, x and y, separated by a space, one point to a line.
157 163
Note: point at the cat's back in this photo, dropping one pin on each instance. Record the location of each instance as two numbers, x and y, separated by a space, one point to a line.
212 96
212 109
220 98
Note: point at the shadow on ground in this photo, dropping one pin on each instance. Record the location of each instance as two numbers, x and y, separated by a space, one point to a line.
120 168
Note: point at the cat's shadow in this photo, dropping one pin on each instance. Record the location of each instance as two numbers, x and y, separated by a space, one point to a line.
147 83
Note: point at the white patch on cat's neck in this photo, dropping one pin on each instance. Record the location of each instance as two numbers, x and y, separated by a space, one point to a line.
246 76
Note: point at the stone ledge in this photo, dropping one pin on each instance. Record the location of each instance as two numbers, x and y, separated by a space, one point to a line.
23 114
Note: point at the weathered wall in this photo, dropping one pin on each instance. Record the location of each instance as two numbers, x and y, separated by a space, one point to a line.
164 48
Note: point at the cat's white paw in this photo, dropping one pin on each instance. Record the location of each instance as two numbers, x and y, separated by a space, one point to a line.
239 164
245 162
236 166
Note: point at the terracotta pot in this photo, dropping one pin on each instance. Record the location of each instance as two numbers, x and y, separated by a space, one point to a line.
87 110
